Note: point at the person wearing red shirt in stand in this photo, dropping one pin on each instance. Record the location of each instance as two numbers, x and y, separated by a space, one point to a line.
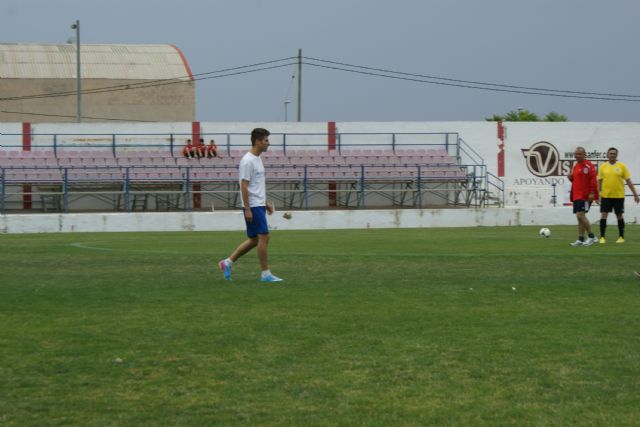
187 150
212 149
584 191
201 149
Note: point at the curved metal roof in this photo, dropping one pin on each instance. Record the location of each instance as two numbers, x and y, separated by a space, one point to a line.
98 61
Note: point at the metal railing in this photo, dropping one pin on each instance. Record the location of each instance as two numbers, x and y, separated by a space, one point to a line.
173 142
294 186
480 188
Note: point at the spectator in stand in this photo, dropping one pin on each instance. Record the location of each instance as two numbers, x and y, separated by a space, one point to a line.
188 150
201 149
212 149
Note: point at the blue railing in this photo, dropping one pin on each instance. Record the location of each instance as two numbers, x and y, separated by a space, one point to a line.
173 142
416 175
451 142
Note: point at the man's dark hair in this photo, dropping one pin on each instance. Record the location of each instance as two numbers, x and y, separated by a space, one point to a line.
258 133
612 148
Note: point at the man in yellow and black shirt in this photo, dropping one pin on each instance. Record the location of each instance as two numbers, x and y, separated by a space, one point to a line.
611 178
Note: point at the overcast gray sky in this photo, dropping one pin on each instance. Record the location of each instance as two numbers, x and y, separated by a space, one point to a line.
577 45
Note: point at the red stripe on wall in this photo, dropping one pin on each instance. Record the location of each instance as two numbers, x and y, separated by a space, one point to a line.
26 146
331 135
195 137
26 136
195 133
332 193
26 197
197 196
331 145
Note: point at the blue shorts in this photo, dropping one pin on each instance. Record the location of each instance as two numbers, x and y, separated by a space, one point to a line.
581 206
259 224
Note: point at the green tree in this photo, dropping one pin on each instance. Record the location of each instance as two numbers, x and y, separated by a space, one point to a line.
555 117
523 115
495 118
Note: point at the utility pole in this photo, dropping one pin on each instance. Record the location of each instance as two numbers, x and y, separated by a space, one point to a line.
76 26
286 104
299 85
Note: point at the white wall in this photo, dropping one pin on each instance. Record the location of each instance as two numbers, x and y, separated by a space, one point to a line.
300 220
481 136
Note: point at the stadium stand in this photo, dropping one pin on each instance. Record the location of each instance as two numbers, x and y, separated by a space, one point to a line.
387 173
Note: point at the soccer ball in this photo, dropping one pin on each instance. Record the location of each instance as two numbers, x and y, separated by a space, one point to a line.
544 232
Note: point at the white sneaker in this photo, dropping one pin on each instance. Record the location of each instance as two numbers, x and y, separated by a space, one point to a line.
271 278
577 243
590 241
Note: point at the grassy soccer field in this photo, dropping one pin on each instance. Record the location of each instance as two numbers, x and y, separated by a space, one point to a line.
470 326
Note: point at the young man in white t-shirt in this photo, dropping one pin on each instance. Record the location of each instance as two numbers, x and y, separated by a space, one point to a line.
255 207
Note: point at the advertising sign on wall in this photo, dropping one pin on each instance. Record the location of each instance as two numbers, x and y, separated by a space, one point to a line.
540 156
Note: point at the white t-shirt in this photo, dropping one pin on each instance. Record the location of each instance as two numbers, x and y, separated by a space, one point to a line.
251 169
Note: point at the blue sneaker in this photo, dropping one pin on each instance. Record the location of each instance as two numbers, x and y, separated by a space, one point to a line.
271 278
226 270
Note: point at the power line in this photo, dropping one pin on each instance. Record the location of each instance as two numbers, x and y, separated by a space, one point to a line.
468 86
143 85
159 82
73 116
337 66
470 81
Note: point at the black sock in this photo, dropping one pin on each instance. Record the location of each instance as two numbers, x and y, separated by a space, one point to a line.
603 227
591 235
581 238
621 227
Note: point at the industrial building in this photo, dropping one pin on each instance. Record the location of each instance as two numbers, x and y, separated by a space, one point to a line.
38 83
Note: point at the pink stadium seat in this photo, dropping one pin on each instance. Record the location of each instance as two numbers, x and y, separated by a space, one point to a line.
117 175
153 176
174 174
225 161
278 175
55 175
156 160
14 175
71 161
228 175
138 176
321 160
91 161
126 161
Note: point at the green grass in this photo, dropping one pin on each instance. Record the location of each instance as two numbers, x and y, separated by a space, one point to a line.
372 327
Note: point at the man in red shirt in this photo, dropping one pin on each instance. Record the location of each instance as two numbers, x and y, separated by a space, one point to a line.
212 149
584 190
188 150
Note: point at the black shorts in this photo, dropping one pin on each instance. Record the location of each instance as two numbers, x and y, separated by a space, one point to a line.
581 206
607 205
